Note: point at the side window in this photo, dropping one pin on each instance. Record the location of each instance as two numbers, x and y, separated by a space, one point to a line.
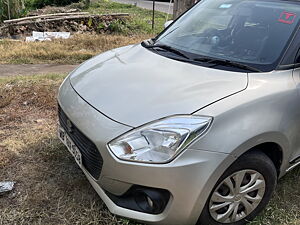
290 57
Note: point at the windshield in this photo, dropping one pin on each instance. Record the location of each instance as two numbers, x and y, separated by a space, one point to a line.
245 31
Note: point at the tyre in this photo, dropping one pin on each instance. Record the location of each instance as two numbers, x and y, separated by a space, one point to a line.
242 192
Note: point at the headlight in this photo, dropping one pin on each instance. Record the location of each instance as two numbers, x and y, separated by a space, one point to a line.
159 141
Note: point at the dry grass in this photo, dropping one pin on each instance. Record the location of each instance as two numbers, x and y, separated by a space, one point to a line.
50 187
71 51
84 46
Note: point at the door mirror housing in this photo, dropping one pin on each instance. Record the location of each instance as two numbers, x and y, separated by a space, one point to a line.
168 23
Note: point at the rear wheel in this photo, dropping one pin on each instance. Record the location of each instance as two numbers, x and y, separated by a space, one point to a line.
242 192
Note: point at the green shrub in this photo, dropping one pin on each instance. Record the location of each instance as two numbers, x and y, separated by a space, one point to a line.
118 26
43 3
77 5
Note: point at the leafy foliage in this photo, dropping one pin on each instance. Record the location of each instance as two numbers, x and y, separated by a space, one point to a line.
10 9
140 21
43 3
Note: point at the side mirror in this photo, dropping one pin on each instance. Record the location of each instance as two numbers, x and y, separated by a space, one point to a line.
168 23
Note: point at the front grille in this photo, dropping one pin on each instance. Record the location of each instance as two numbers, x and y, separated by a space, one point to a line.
91 158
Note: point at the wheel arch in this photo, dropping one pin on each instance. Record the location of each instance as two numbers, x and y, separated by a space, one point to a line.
273 150
274 144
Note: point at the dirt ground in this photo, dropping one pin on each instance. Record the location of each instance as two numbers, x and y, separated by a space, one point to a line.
31 69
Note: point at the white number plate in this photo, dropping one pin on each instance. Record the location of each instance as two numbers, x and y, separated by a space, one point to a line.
63 136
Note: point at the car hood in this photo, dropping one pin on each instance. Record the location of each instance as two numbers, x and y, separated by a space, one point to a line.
133 85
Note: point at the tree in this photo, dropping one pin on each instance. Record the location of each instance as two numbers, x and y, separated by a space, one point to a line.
10 9
87 3
180 6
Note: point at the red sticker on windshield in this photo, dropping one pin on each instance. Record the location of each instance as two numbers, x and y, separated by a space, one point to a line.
287 17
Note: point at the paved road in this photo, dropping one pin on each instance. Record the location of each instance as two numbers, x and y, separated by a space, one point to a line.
32 69
147 4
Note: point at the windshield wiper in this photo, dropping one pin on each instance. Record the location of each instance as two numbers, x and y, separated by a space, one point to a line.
226 62
167 48
202 59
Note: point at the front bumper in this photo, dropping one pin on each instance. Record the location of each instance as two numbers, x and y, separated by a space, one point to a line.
189 178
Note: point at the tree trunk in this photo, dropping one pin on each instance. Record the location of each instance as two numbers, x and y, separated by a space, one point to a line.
180 6
87 3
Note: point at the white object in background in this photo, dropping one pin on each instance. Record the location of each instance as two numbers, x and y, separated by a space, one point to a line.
6 186
168 13
47 36
168 23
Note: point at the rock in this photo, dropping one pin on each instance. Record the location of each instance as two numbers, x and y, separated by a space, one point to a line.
6 187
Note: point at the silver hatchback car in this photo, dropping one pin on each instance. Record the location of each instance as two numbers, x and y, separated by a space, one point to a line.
196 125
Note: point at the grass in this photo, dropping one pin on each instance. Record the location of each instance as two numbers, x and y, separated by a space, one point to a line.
82 47
284 208
50 188
140 21
71 51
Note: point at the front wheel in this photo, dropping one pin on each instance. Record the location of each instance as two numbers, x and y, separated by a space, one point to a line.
242 192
